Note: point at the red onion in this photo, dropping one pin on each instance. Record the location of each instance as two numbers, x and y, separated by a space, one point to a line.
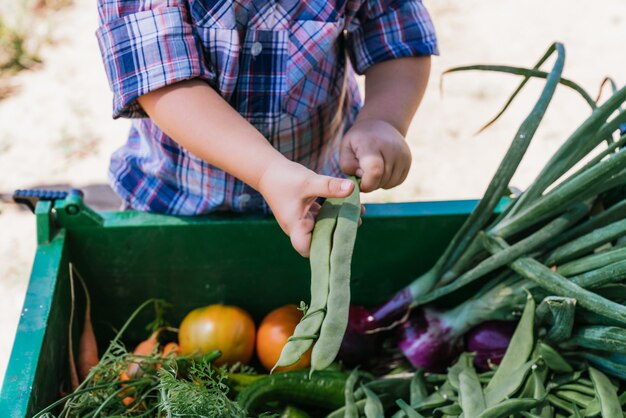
489 341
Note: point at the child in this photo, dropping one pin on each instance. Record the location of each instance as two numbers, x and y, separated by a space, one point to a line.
238 104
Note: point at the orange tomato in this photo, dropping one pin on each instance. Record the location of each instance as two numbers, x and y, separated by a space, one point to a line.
218 327
272 336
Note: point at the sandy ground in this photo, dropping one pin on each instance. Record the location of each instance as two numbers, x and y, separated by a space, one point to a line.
57 128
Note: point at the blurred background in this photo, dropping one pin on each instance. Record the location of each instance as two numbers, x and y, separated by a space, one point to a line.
56 128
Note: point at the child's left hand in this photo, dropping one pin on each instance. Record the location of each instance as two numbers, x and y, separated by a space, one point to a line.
377 152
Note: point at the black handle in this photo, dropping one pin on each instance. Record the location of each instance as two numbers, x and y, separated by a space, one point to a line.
32 196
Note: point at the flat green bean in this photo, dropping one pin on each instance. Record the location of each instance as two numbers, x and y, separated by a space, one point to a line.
510 407
553 359
471 394
606 393
418 389
516 355
351 409
338 304
373 405
573 397
409 411
309 326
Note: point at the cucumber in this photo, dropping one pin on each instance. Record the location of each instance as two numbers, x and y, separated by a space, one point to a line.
324 389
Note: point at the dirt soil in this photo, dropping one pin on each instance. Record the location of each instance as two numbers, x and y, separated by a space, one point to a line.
56 128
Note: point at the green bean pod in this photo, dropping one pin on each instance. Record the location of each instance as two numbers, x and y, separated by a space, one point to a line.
308 328
510 407
606 393
338 304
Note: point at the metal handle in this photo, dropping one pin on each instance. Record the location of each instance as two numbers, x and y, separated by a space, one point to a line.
32 196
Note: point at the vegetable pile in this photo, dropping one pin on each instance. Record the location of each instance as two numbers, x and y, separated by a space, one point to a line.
523 315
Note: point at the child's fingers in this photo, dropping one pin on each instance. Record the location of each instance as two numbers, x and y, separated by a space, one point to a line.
326 186
348 162
301 234
373 166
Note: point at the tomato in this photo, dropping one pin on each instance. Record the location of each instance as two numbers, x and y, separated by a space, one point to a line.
272 336
218 327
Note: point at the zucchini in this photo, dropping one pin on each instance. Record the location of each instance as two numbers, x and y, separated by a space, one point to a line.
324 389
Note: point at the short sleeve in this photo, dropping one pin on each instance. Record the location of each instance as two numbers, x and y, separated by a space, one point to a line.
384 29
146 50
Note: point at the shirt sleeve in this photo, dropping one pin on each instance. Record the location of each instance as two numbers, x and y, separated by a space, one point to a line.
388 29
146 48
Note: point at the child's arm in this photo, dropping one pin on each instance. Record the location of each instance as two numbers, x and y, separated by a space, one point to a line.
374 148
199 119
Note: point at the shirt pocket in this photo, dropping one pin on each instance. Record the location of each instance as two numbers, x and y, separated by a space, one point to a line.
262 80
312 65
222 49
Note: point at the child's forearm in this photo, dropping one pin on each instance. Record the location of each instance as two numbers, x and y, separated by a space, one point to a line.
394 90
199 119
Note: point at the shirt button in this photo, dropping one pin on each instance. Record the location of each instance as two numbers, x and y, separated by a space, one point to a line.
256 49
244 198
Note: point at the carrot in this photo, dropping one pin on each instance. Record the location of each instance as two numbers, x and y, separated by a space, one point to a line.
144 348
87 346
70 346
170 350
127 400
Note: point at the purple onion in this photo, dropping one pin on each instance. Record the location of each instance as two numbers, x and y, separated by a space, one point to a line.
428 340
390 311
358 346
489 341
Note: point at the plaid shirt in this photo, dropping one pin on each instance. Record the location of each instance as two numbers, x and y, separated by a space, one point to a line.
280 63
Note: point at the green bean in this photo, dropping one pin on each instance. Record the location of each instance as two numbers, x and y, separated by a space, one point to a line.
593 409
561 404
510 407
418 390
509 385
434 400
577 387
606 393
559 285
573 397
518 351
592 262
471 394
553 359
341 412
336 319
351 409
373 405
539 392
310 324
409 411
587 243
463 362
452 409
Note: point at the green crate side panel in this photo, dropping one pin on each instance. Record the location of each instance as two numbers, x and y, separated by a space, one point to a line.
35 366
222 259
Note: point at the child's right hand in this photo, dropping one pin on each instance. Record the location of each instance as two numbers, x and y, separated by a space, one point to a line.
291 191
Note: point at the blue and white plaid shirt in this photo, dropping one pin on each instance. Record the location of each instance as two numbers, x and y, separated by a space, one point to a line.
281 64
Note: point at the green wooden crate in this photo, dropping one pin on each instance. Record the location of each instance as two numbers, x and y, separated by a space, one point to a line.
129 257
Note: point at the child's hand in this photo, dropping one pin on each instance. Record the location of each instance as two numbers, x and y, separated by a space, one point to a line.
291 190
377 152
